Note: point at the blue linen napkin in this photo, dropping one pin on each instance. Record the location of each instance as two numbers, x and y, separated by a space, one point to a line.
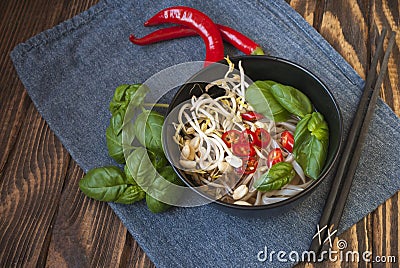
71 71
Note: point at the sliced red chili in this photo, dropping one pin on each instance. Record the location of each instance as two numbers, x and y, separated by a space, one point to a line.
287 141
251 116
274 156
249 166
248 136
263 138
243 149
199 22
235 38
230 137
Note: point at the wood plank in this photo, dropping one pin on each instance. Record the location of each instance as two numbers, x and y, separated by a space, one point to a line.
29 193
307 10
384 13
13 98
14 105
385 218
86 233
134 256
345 27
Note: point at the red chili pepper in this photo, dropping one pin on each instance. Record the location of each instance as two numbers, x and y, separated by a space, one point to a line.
251 116
287 141
240 41
163 35
199 22
262 138
230 137
274 156
248 136
249 166
243 149
235 38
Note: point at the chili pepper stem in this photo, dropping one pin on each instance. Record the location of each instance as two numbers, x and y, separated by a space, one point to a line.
258 51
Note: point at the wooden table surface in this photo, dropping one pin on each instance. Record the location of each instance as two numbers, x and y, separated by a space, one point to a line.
46 221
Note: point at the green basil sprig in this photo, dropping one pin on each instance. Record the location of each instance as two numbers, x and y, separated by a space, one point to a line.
278 176
124 96
260 97
111 185
311 141
146 166
277 101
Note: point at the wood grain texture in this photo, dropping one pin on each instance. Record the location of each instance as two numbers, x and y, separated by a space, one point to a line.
46 221
90 227
29 194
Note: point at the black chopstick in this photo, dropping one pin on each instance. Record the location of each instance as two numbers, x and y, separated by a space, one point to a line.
348 149
343 194
343 179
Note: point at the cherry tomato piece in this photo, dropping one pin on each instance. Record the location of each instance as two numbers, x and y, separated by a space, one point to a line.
243 149
287 141
248 136
230 137
249 166
274 156
251 116
262 138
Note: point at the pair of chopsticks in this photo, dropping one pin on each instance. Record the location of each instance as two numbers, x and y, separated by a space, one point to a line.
343 179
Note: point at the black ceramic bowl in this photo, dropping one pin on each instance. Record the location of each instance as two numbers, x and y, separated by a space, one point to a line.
285 72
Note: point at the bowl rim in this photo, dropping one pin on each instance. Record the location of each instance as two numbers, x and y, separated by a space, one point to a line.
315 183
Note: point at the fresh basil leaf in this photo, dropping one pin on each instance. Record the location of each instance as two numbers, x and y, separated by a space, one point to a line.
114 137
109 184
117 122
311 156
114 145
136 99
259 96
104 183
156 206
131 194
292 99
156 184
141 168
148 129
318 126
278 176
311 141
122 96
158 159
128 176
301 133
161 190
161 186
